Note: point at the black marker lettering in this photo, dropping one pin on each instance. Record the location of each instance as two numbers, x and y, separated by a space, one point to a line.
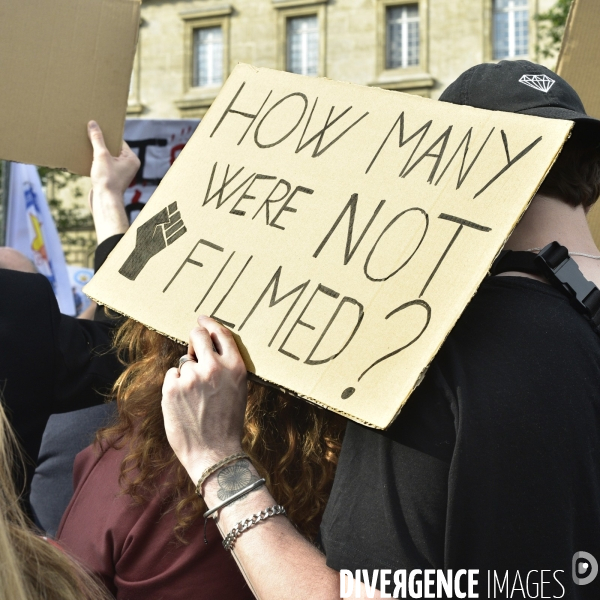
214 312
361 314
220 191
320 288
250 116
366 267
406 305
351 206
321 133
246 196
286 206
210 287
189 260
274 300
270 199
285 136
237 189
444 140
462 223
466 140
402 142
510 161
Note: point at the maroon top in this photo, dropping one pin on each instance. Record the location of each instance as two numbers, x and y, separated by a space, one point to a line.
132 547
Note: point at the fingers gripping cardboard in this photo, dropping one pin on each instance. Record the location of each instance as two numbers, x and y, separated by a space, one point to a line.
338 231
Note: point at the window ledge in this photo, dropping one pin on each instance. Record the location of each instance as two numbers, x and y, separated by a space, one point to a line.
412 81
197 98
135 108
296 3
222 10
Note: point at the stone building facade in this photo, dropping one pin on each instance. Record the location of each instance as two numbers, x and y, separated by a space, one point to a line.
188 47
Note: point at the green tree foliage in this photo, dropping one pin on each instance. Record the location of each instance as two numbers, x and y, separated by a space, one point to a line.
68 218
551 28
73 220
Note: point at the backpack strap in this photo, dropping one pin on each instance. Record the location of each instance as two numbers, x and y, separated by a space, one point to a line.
562 272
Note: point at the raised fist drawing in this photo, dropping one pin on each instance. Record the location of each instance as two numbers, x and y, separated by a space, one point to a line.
152 237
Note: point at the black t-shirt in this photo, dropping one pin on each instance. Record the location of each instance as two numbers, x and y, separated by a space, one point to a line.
494 462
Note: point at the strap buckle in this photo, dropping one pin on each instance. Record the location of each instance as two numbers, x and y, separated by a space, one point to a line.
563 272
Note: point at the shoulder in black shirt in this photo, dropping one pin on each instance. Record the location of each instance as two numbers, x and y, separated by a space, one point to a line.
494 462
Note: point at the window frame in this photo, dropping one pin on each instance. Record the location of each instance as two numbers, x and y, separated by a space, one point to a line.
526 6
204 19
288 58
405 49
299 8
488 35
195 64
382 40
134 99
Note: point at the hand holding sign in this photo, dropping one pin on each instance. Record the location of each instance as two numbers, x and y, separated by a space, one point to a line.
110 177
152 237
204 403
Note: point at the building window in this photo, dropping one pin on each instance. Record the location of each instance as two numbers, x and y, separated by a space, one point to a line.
402 36
208 57
303 45
511 28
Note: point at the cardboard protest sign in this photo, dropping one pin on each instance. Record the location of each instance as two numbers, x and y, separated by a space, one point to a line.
580 53
157 142
578 64
64 63
339 231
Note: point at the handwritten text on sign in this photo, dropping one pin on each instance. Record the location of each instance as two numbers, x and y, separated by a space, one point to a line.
338 230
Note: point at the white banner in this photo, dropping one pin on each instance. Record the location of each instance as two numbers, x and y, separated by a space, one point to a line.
31 230
157 144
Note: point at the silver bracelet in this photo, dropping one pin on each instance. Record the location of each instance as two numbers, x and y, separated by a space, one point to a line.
242 492
242 526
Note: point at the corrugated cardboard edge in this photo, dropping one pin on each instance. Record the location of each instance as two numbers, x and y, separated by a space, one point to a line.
565 47
593 216
252 376
421 376
131 61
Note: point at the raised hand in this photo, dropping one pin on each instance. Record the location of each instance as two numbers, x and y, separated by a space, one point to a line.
152 237
110 177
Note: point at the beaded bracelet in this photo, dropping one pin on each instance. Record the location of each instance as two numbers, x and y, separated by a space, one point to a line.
222 463
242 526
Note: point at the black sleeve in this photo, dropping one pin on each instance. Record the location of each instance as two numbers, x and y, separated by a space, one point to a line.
101 314
49 362
86 366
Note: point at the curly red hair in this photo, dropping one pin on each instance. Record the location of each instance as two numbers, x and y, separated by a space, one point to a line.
293 444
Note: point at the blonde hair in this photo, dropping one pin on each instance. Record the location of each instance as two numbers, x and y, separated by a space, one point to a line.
30 567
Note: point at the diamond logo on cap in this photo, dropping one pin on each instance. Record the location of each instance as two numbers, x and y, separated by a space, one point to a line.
543 83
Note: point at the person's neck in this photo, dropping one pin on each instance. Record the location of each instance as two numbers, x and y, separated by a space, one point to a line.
550 219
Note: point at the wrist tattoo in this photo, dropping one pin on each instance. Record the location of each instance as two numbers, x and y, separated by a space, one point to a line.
234 478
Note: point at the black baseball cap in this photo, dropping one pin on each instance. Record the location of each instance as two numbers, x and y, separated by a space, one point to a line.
518 86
